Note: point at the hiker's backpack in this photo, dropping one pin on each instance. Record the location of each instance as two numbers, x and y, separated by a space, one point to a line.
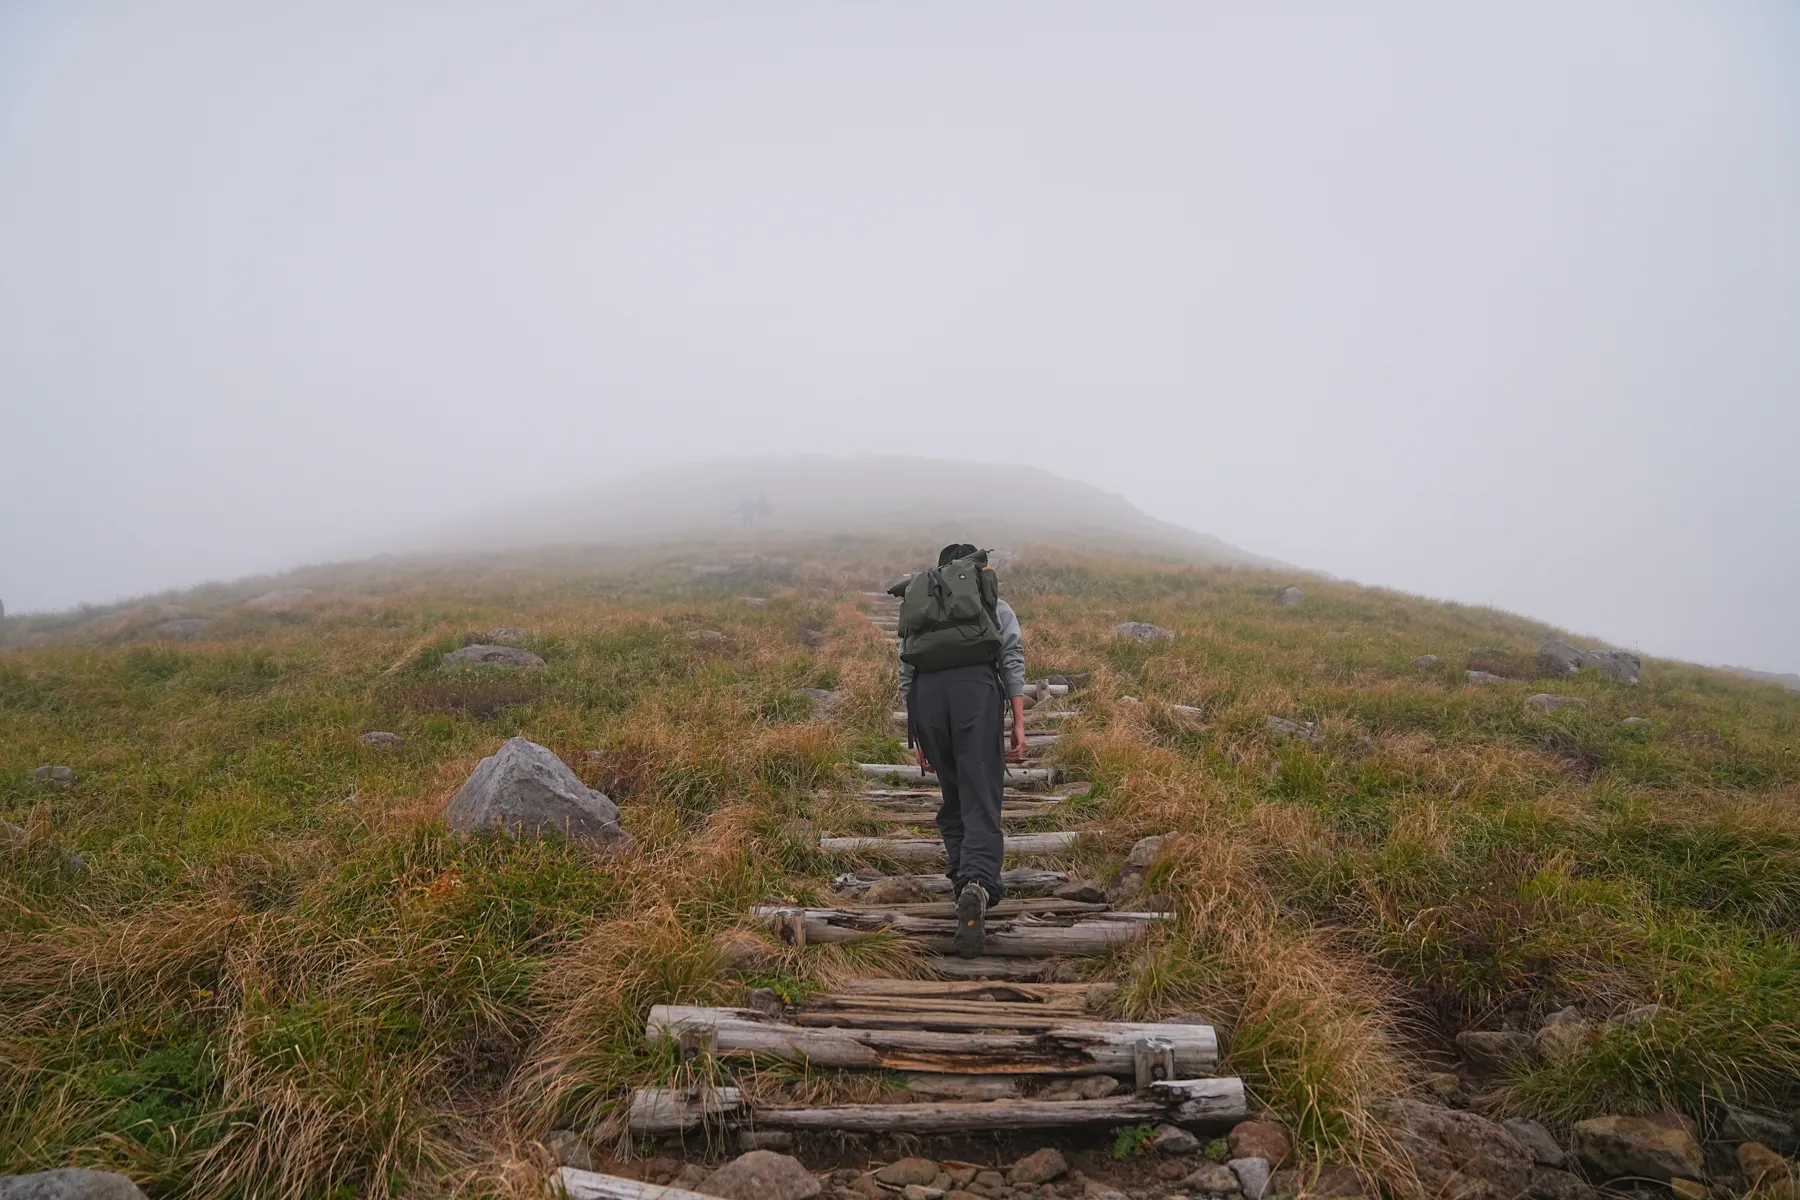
949 615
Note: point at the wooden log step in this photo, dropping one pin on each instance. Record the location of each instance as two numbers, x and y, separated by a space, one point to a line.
920 815
1012 906
931 797
1033 716
986 968
661 1110
854 1010
1044 776
1079 995
577 1184
1017 880
928 849
1004 939
1071 1047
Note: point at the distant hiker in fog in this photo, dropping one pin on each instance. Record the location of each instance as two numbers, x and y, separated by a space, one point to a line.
962 675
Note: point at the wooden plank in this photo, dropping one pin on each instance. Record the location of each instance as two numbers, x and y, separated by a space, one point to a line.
1092 994
1020 879
1014 775
929 849
1071 1047
997 1011
1006 908
1004 939
1202 1103
928 816
591 1185
660 1110
988 968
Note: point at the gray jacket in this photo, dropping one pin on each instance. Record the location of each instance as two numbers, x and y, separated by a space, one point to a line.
1012 656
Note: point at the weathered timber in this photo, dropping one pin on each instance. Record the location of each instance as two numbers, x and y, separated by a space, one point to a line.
1010 907
1014 775
929 798
987 967
591 1185
1085 994
939 1019
1021 938
1070 1047
660 1110
928 816
1203 1103
929 849
1035 716
1021 879
854 1009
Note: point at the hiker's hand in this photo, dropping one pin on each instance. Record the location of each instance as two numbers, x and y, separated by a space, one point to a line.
919 753
1017 752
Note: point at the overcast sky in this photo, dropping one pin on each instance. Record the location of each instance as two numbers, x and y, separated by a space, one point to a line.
1501 305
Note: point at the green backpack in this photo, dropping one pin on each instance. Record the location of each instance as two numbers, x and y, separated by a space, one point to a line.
948 615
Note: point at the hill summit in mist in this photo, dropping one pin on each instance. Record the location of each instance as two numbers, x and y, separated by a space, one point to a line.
823 495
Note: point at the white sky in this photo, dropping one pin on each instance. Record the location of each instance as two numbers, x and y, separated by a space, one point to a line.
1496 305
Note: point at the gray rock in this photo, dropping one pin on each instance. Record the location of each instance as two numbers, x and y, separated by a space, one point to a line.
569 1149
1633 722
56 777
69 1183
1563 1035
481 655
1428 662
895 890
1616 664
1548 1183
508 635
1559 658
1537 1141
1143 853
1656 1147
279 598
183 627
381 739
905 1171
1483 677
1212 1179
1457 1155
1252 1176
1289 596
1040 1166
764 1139
1497 1049
526 790
1142 631
708 639
824 702
762 1175
1297 731
1085 890
1634 1017
1172 1139
1742 1125
1550 702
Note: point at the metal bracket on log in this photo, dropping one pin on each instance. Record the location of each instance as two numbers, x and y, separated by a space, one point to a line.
789 925
1153 1061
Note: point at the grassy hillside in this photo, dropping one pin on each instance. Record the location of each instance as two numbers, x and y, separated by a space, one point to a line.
279 976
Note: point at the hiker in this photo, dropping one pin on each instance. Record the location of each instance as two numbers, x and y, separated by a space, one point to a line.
962 676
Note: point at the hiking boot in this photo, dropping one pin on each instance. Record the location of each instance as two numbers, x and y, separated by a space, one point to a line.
971 921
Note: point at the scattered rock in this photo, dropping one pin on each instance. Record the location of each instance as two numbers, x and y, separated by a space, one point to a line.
1550 702
1537 1141
1548 1183
381 739
1084 890
1635 721
1427 662
1632 1018
1484 677
709 639
526 790
1496 1049
752 601
1252 1176
1259 1139
1188 711
894 890
1172 1139
1655 1147
1093 1189
961 1174
1690 1189
1559 658
1741 1125
568 1149
1300 732
693 1174
1445 1086
1127 887
1082 1087
812 639
1213 1179
964 1087
1761 1165
1142 631
1040 1166
866 1186
1288 596
1563 1035
1617 664
69 1183
762 1175
824 702
908 1170
766 1001
279 598
182 627
508 635
1454 1153
483 655
741 950
56 777
1143 852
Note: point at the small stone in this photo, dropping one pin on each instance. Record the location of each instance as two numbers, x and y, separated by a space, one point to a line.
692 1175
907 1171
1259 1139
1483 677
959 1194
1129 700
1297 731
1761 1165
1427 662
894 890
527 791
741 950
1173 1169
1143 852
1126 887
1094 1189
481 655
1537 1140
766 1001
1496 1049
381 739
941 1181
963 1087
1084 890
508 635
769 1139
762 1175
1652 1147
1690 1189
1635 721
1142 631
1172 1139
1563 1035
920 1191
1213 1179
1741 1125
1287 598
56 777
991 1179
707 639
568 1149
661 1169
1548 1183
1443 1085
69 1183
960 1174
866 1185
1040 1166
1252 1176
1550 702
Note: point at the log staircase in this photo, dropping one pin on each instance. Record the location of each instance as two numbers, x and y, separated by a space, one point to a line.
1015 1039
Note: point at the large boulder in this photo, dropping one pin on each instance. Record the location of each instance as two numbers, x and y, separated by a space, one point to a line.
69 1183
55 776
761 1175
1662 1146
1040 1166
1456 1155
1560 658
526 790
481 655
1536 1139
1142 631
1618 664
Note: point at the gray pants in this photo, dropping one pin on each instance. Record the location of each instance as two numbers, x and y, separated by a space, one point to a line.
959 719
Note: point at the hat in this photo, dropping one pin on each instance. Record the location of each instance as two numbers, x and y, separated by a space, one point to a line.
950 554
